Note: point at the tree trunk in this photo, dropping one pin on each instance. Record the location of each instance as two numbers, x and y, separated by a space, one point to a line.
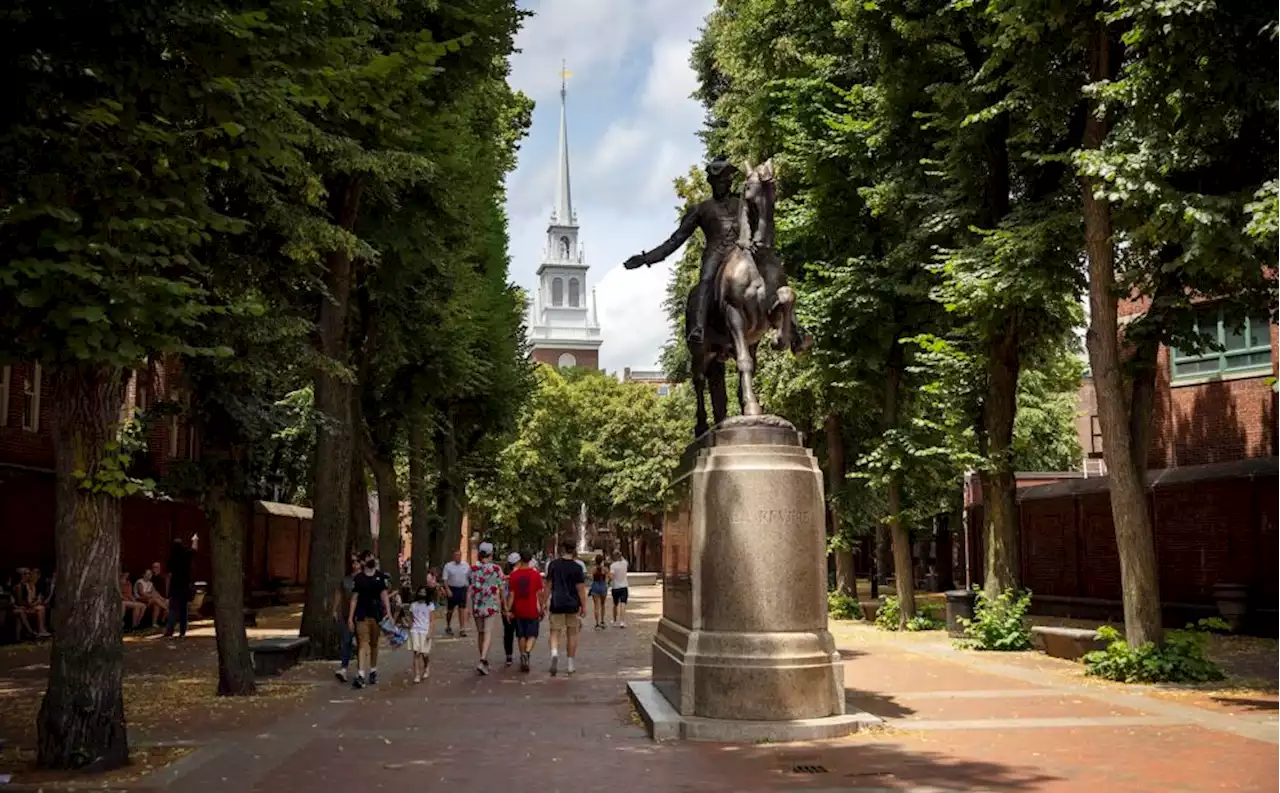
836 472
421 518
1134 536
332 467
81 721
448 491
999 486
360 527
229 526
898 534
384 474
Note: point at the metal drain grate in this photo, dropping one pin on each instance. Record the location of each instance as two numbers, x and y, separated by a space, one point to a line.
808 769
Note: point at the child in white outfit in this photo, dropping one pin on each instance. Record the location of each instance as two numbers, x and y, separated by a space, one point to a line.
423 611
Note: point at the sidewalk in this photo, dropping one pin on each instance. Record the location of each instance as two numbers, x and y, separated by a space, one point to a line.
956 722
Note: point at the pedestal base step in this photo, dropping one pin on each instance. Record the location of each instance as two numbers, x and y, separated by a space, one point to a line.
665 723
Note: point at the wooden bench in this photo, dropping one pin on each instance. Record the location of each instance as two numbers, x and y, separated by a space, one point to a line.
273 656
1068 643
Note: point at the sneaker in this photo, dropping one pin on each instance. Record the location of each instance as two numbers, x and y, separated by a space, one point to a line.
417 678
358 683
622 624
482 668
508 660
341 674
570 670
373 677
448 631
524 662
555 660
462 634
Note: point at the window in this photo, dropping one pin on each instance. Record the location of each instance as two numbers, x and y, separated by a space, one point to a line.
1095 437
1245 346
664 390
173 436
564 248
31 399
557 292
5 374
567 361
573 292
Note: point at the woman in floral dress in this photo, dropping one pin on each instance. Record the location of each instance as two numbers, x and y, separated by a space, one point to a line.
486 597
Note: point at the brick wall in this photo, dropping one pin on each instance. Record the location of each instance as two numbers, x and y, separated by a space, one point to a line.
1232 418
588 359
1213 524
1212 422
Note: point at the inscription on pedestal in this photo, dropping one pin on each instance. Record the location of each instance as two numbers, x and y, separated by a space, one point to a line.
771 517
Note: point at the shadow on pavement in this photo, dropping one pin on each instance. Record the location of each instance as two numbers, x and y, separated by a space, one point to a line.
878 763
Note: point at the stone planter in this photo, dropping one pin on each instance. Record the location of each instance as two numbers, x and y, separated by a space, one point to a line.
1233 603
869 609
960 605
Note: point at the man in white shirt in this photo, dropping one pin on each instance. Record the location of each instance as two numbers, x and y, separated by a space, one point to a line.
618 585
457 576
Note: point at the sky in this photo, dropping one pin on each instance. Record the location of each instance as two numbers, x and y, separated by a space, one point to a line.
632 131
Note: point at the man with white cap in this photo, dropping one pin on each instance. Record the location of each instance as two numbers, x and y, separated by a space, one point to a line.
486 597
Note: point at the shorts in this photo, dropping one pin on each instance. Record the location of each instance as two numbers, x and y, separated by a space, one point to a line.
482 622
566 622
598 588
527 628
620 595
420 642
457 597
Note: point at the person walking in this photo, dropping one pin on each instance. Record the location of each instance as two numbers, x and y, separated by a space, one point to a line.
342 607
486 596
524 603
566 595
423 611
618 583
365 612
179 585
508 621
457 577
599 588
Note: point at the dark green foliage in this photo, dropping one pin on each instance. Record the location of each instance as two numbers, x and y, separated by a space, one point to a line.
999 623
1182 658
843 606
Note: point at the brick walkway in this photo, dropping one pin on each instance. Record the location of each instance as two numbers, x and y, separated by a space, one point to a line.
958 722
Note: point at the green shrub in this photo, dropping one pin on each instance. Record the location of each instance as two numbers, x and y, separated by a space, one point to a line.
998 624
1182 659
890 612
842 606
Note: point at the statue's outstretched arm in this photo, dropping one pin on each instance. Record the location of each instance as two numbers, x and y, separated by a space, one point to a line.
688 224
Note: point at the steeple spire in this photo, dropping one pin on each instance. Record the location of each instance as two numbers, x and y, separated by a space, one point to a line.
564 202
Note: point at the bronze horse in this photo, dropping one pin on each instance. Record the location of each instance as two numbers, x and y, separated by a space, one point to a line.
751 297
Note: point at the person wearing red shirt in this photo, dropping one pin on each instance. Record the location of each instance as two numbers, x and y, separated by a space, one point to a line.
525 606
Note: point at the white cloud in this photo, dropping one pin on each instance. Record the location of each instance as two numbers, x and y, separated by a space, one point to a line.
632 130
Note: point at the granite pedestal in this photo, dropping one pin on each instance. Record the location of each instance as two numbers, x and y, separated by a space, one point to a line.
742 650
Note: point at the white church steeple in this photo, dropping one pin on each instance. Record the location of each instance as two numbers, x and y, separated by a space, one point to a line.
563 212
563 327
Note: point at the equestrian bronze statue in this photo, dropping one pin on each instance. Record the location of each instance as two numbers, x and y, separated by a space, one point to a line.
741 291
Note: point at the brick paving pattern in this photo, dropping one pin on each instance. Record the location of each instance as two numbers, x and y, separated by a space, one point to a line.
955 722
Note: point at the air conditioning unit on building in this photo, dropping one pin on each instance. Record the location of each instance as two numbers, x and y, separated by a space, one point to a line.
1095 466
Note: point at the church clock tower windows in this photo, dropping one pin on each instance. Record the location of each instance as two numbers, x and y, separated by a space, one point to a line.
563 328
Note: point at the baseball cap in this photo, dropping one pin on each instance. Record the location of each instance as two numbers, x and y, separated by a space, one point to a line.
485 549
513 557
